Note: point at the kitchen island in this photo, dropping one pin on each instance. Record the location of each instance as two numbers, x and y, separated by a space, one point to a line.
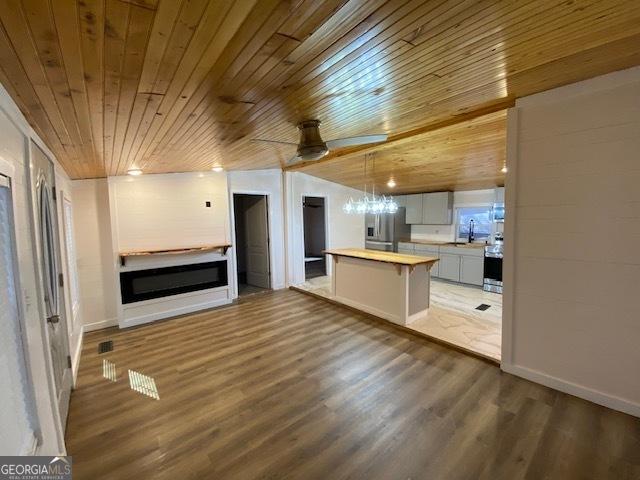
389 285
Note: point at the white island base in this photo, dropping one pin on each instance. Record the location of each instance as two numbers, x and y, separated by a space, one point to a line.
388 285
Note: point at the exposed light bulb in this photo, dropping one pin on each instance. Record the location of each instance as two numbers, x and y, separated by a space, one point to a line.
217 168
348 207
504 169
391 183
373 204
134 171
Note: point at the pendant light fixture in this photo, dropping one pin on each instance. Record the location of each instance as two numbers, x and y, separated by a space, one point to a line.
373 203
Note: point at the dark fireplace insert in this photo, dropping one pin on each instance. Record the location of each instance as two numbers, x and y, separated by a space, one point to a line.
139 285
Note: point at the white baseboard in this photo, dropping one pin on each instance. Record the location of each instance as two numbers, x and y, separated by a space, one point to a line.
109 322
595 396
75 362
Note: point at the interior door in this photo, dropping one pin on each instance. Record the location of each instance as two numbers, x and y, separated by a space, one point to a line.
48 252
257 238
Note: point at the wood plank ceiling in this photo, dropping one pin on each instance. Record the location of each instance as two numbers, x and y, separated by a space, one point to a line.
467 155
182 85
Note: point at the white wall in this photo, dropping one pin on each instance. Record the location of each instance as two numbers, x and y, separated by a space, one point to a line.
343 230
15 133
572 268
96 269
447 233
265 182
157 212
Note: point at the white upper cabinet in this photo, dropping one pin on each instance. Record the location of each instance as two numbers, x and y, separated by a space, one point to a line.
437 208
428 208
414 208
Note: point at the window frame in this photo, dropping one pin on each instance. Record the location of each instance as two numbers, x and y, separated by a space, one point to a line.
484 206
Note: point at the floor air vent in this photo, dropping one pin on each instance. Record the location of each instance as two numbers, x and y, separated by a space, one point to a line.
104 347
482 307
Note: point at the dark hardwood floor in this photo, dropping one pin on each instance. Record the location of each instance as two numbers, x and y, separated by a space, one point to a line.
282 385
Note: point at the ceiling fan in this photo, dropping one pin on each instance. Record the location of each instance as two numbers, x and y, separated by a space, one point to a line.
313 147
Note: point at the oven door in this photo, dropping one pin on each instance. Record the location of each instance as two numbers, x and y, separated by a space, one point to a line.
493 270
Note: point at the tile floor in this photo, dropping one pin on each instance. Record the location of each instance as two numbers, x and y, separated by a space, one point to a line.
452 316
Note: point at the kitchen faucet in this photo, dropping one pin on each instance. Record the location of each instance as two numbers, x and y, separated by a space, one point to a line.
471 236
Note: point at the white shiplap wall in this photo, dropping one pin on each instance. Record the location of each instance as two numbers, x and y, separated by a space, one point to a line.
156 212
572 269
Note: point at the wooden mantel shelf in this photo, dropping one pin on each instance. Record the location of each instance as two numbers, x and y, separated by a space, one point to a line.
175 251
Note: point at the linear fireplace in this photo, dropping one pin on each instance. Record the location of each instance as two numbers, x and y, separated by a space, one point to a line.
139 285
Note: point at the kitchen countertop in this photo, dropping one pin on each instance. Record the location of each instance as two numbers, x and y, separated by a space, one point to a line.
444 244
379 256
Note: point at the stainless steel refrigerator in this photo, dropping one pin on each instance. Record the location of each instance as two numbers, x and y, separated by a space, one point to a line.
383 231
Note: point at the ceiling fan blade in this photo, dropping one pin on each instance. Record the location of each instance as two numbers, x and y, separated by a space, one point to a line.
359 140
273 141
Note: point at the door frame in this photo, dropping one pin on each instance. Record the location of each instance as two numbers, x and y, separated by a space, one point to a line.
232 220
327 264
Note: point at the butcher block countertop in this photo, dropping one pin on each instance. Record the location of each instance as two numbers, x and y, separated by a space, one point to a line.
445 244
377 256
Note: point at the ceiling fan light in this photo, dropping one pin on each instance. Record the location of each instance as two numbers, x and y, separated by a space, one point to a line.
311 146
308 154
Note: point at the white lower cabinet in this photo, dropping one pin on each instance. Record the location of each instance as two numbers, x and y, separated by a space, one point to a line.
457 264
472 270
429 251
449 267
406 248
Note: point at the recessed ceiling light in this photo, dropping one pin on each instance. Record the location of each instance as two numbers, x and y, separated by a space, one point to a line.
134 172
217 168
391 183
504 169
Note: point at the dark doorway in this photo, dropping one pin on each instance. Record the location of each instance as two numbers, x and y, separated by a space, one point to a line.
313 211
252 243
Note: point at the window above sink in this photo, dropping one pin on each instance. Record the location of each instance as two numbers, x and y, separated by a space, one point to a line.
482 222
